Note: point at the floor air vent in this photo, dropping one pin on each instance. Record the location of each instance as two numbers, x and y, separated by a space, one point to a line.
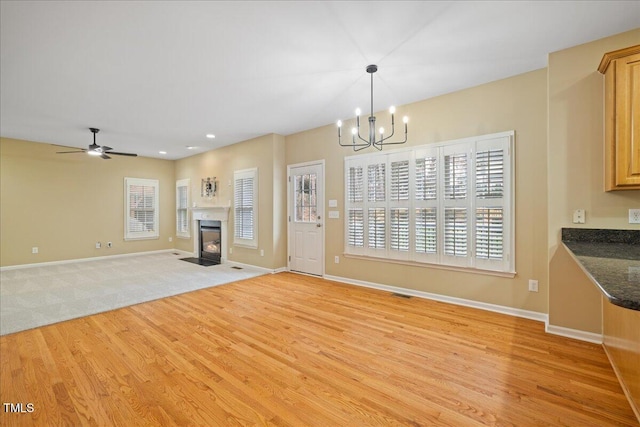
236 268
401 295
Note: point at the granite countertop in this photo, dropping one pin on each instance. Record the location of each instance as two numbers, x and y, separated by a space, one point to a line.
611 258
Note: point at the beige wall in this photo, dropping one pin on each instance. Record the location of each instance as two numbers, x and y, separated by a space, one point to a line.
265 153
576 175
517 103
54 202
64 204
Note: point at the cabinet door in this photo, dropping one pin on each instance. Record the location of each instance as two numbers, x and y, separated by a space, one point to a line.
627 117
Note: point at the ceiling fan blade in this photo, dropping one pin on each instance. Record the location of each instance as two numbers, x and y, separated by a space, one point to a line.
123 154
67 152
105 148
66 146
104 156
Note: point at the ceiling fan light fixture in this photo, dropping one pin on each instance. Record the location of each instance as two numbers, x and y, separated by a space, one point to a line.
210 136
94 153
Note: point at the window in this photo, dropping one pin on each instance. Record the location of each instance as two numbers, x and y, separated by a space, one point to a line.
449 203
182 205
245 205
141 217
306 198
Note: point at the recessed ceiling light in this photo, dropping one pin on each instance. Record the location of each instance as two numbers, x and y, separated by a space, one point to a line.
210 135
162 152
191 147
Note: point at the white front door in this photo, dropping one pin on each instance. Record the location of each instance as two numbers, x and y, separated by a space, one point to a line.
306 218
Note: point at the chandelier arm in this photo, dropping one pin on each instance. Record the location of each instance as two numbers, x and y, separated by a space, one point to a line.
353 144
393 130
361 147
381 143
366 141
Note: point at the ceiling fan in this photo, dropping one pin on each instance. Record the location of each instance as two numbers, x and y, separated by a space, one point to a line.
97 150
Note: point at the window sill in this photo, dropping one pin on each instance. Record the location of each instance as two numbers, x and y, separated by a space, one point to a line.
183 237
141 238
245 245
510 275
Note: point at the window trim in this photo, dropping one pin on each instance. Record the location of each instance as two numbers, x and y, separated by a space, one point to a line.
183 183
251 173
141 235
502 267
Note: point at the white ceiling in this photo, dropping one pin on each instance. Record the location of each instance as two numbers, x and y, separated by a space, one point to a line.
159 75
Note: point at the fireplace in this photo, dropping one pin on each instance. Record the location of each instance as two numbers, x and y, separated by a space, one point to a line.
210 240
209 217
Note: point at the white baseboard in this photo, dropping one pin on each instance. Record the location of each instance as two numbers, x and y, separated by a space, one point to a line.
89 259
573 333
526 314
255 267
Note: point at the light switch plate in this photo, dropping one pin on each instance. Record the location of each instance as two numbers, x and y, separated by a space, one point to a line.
333 203
334 214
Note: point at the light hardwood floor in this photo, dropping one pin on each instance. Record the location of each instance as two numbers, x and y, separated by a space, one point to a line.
287 349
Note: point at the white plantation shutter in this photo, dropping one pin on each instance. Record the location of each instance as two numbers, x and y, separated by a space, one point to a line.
426 177
355 226
426 231
455 176
456 204
245 206
489 220
376 182
400 229
489 233
449 203
141 209
492 235
399 180
355 211
399 221
182 207
377 228
455 232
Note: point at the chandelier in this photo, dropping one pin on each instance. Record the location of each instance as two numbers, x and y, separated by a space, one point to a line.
376 141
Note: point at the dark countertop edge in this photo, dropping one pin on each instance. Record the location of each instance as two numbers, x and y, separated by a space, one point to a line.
630 305
598 235
588 273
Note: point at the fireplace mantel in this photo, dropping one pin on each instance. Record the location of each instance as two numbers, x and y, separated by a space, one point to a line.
211 213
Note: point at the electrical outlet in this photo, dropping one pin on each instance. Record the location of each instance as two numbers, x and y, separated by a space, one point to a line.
230 251
336 259
34 250
634 216
98 245
170 239
533 286
579 216
261 252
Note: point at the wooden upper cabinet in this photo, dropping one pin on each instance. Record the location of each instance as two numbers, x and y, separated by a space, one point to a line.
621 69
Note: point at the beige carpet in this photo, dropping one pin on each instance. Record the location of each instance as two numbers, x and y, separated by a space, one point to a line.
38 296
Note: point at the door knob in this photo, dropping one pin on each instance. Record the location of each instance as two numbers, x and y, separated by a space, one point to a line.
318 225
